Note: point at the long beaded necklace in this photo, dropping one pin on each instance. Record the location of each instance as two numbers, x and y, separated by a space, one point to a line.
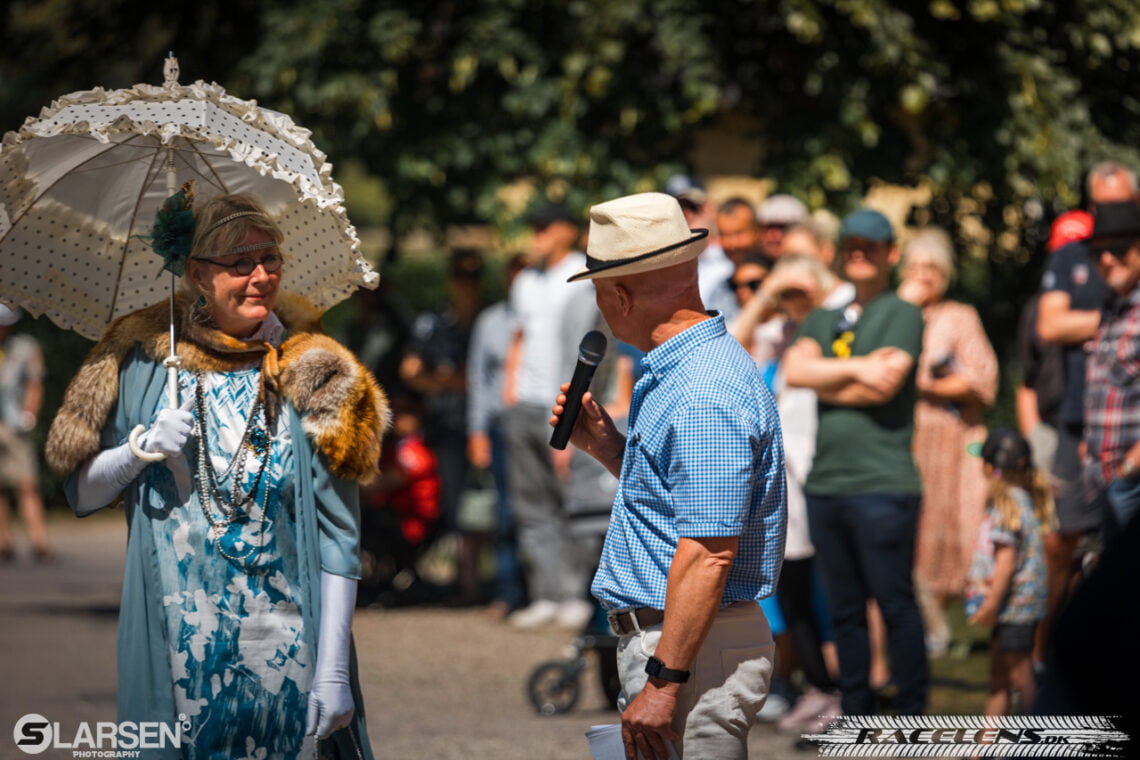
232 505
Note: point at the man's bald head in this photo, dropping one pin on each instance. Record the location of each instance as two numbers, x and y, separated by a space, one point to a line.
635 305
1111 182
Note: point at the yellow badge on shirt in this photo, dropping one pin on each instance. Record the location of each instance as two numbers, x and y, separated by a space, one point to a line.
841 346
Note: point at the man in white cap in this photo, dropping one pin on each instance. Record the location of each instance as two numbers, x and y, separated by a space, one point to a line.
775 215
696 536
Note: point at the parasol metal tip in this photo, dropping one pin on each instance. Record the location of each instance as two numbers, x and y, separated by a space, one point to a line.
170 70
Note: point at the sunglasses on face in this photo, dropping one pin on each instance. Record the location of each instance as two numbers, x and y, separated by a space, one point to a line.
244 266
793 293
752 285
1117 248
868 248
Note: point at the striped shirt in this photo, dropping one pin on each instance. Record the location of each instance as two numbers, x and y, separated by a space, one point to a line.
1112 387
703 458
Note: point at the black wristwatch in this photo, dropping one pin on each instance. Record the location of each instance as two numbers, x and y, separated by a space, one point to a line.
656 669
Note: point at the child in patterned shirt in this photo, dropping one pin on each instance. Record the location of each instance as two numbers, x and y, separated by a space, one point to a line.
1006 585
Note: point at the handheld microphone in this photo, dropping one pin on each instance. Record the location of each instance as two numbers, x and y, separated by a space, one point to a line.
590 353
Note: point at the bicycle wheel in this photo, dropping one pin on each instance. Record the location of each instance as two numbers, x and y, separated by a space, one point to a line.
553 687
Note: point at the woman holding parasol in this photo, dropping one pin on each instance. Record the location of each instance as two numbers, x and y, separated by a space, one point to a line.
243 552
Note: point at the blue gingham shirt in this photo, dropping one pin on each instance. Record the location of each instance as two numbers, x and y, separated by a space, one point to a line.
703 458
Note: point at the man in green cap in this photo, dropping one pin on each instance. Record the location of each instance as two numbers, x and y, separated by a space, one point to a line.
863 492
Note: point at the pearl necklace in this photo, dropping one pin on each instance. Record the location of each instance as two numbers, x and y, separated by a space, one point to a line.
232 506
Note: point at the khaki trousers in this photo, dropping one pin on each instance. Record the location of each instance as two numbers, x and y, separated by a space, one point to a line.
728 686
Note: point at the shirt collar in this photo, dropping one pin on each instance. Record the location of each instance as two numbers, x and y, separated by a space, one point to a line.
272 331
666 356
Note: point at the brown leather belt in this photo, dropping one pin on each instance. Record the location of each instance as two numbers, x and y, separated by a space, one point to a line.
633 619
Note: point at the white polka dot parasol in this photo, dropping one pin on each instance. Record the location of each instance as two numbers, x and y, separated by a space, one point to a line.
82 181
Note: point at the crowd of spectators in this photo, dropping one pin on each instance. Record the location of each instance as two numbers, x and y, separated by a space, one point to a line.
882 382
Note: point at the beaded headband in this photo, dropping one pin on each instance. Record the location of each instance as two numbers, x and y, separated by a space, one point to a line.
248 248
240 249
228 219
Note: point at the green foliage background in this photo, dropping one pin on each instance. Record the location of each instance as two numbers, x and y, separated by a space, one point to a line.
437 105
430 109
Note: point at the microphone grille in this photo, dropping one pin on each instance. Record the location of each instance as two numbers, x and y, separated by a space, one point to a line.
592 348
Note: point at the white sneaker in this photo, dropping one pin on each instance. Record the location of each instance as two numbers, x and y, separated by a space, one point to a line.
540 613
574 614
812 704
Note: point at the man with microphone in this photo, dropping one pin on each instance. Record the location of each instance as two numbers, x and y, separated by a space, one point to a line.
696 536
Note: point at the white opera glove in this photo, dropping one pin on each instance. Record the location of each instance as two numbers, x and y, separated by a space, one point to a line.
104 475
170 431
330 701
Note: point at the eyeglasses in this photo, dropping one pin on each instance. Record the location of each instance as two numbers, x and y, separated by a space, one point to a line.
244 266
752 285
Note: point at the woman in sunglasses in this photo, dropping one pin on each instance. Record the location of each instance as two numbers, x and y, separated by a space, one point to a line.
243 550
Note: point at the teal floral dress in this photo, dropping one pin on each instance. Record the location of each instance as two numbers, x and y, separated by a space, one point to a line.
229 577
223 647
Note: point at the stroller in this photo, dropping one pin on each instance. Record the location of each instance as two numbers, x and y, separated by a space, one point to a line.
554 686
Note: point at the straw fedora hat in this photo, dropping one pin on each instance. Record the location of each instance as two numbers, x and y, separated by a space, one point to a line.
638 233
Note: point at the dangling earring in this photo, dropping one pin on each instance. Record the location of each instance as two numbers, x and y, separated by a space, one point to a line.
198 312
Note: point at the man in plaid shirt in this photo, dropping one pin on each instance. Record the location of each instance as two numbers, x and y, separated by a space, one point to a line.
1112 389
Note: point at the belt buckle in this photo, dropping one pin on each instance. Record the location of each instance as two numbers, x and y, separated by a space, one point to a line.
635 624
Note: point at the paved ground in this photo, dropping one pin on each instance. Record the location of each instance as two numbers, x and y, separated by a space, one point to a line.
438 683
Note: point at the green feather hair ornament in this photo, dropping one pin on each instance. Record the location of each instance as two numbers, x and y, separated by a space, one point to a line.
173 230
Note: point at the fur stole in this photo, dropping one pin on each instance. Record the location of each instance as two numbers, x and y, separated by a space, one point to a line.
343 409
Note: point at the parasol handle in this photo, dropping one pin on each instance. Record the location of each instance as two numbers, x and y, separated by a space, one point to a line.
172 363
139 451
